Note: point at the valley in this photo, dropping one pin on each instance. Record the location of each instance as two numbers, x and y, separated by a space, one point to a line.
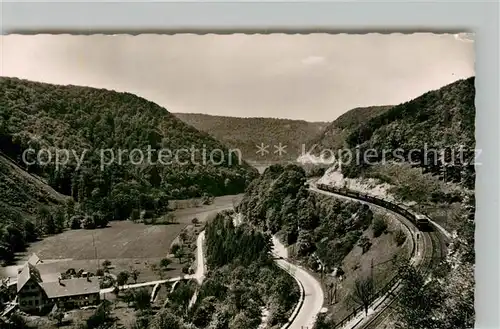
239 229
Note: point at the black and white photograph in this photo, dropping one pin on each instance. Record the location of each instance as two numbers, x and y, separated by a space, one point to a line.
237 181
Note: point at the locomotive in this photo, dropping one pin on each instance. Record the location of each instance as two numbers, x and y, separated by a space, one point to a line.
421 221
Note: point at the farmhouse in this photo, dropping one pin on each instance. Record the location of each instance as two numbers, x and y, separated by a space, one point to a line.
36 295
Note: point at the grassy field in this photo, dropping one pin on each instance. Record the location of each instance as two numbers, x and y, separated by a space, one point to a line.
356 264
126 244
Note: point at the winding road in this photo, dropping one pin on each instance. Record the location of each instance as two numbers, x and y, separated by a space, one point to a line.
312 293
429 248
312 297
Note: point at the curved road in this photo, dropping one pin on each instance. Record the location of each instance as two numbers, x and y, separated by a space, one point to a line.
199 275
313 294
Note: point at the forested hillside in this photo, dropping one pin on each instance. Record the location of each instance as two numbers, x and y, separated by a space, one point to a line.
334 135
21 195
440 184
441 120
41 116
336 238
329 228
243 276
246 133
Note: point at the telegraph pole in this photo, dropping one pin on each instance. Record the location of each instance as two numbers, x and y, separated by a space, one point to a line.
335 291
416 244
95 250
371 269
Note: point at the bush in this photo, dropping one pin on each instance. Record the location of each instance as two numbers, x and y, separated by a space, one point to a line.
122 278
106 282
185 269
89 223
165 262
175 248
135 215
75 222
399 238
379 227
364 243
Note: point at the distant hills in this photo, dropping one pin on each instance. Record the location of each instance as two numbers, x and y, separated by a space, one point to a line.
246 134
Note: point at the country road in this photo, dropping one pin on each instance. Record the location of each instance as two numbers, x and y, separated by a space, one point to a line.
313 294
199 275
144 284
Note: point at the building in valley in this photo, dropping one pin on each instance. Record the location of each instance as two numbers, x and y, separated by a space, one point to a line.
36 295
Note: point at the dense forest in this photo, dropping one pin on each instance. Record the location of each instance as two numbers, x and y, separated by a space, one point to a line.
334 135
319 227
246 133
242 280
37 116
440 120
21 197
243 276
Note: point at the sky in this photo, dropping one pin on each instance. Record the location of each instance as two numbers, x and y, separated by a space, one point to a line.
314 77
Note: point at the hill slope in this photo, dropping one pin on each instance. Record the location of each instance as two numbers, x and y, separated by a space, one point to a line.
440 120
45 116
21 195
246 133
334 135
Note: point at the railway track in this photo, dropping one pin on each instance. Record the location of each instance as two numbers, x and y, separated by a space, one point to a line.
434 250
432 257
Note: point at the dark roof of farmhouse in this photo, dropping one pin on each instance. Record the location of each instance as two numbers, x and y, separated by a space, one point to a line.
71 287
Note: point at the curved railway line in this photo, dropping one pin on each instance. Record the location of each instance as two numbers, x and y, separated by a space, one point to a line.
429 248
431 258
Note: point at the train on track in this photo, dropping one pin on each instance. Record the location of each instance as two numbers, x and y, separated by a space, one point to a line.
421 221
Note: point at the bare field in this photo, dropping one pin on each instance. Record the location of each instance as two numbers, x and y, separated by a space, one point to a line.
124 243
